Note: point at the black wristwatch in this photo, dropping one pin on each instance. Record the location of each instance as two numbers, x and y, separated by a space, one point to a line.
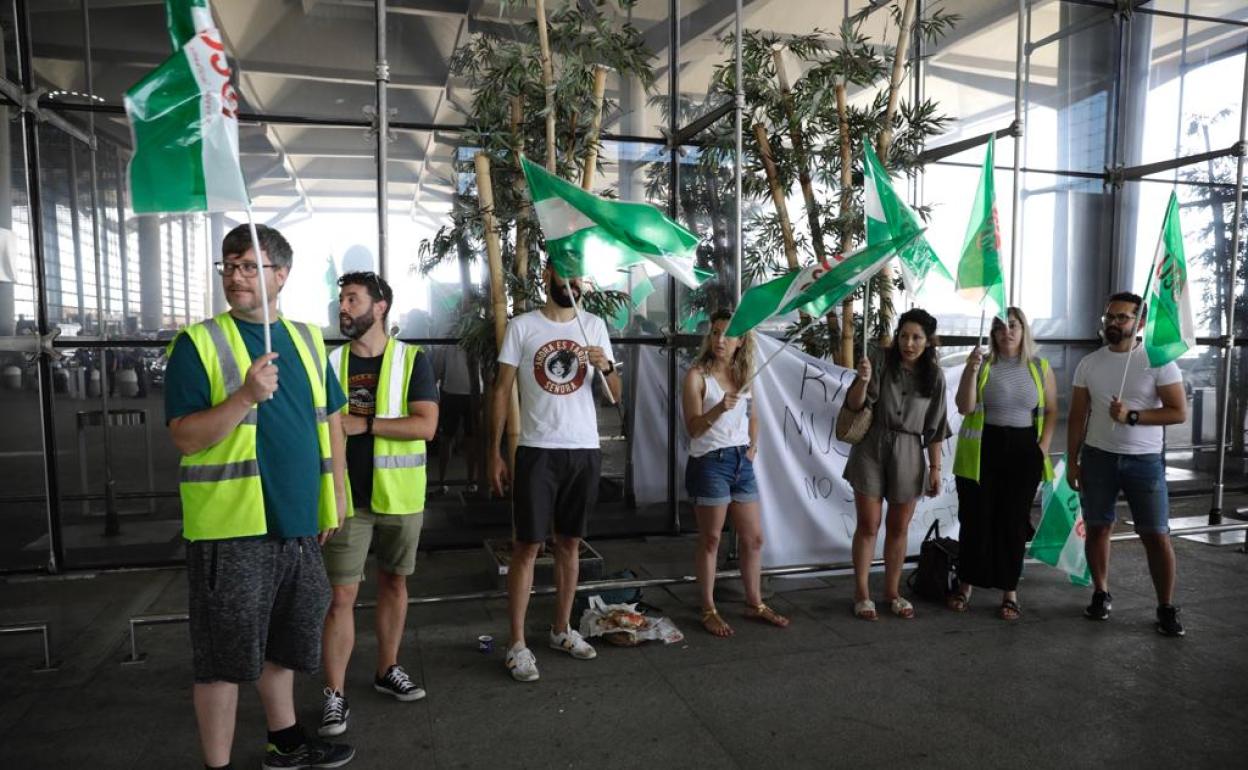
368 430
1133 417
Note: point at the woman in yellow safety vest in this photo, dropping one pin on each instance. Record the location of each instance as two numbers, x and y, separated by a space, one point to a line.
1009 406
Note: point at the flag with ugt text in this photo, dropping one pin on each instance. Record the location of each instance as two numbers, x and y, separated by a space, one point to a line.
1060 537
814 289
587 235
1169 330
979 270
184 122
887 216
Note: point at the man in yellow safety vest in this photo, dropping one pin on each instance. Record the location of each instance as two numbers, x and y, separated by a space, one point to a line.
262 489
393 411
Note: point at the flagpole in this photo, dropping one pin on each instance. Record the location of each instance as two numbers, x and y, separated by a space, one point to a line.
264 292
983 316
1139 316
576 308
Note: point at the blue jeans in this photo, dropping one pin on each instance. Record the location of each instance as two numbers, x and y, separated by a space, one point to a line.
721 476
1142 478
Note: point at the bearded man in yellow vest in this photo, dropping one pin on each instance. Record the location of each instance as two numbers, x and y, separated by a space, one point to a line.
262 489
393 411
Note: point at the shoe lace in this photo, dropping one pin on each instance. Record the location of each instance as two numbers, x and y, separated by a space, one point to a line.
524 658
397 677
335 705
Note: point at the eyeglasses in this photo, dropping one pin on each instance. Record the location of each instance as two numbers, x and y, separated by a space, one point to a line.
248 269
1118 318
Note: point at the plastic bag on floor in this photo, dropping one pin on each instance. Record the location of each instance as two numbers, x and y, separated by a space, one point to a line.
622 624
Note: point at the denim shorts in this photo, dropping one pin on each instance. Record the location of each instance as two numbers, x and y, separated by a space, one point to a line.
721 476
1142 479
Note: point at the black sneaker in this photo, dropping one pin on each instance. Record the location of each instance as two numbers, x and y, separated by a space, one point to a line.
1168 621
1101 604
396 683
312 754
334 714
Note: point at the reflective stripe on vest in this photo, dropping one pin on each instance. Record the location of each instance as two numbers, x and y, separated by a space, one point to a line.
966 461
398 465
222 495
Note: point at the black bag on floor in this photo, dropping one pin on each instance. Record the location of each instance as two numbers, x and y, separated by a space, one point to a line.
937 573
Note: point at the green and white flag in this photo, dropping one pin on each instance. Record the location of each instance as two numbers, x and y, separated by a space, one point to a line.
814 289
1169 331
1060 537
979 270
887 217
591 236
184 122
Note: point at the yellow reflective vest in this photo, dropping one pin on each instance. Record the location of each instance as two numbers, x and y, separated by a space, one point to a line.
970 435
398 464
220 485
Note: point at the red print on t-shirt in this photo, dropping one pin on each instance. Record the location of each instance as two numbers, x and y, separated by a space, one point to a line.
560 366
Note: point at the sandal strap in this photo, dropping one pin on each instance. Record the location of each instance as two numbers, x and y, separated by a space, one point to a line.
709 612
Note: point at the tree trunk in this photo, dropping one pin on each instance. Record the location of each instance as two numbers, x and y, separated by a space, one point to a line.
847 197
498 295
522 230
885 143
548 82
590 167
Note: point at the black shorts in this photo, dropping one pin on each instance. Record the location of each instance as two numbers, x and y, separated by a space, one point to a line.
553 484
455 409
252 600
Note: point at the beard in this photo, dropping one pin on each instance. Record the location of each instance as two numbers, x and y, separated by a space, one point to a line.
561 293
1114 335
354 328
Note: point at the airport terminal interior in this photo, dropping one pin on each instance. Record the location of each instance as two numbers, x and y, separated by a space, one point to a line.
362 130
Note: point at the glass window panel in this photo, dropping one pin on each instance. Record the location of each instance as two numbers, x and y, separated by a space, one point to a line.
1195 86
1217 9
1069 91
970 72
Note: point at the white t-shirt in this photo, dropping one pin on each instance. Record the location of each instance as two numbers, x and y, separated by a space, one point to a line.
1101 374
557 409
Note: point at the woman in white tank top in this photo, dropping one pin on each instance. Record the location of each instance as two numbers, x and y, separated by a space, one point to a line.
723 433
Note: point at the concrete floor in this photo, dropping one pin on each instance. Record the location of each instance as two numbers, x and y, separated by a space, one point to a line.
943 690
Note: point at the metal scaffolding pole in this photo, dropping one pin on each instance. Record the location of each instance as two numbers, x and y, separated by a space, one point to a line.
112 523
673 207
383 133
1022 57
738 118
1228 331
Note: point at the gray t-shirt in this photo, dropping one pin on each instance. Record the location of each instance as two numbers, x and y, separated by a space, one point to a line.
1010 396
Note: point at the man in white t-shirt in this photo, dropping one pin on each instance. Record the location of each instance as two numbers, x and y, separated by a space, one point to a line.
558 459
1116 445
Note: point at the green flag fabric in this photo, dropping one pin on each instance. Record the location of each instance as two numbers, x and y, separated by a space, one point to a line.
1059 538
979 270
814 289
587 235
887 217
184 123
1169 330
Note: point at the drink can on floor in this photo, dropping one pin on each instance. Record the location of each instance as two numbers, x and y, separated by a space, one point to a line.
485 643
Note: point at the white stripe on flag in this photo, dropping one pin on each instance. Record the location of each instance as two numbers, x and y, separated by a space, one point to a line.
224 188
559 219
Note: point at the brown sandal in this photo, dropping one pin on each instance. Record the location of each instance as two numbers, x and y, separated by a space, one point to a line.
714 624
766 614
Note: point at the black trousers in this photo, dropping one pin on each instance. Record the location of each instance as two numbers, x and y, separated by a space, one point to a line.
995 513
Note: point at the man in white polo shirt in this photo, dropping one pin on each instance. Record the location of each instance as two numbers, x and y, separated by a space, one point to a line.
558 459
1121 443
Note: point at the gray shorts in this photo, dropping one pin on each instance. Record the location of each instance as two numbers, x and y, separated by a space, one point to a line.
254 600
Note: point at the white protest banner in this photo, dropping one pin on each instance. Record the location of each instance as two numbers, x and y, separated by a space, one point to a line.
807 508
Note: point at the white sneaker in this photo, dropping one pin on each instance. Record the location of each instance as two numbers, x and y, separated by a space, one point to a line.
571 642
522 665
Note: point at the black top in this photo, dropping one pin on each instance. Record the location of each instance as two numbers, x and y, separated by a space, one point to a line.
362 377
